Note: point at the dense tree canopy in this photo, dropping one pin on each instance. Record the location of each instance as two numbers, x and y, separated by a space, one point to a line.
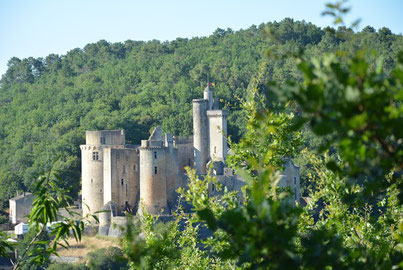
47 103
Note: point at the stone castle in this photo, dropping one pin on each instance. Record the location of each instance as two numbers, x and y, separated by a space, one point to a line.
117 176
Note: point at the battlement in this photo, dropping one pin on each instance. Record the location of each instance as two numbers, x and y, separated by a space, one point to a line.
217 113
200 100
151 144
183 140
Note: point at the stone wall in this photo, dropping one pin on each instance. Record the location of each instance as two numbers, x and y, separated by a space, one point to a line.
121 178
185 152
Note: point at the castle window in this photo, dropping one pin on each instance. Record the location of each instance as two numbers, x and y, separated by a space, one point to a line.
122 181
295 180
135 168
155 170
215 149
124 169
117 155
102 140
189 162
95 156
155 155
92 180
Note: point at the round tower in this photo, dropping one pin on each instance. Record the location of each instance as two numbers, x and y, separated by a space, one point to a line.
92 167
200 134
153 186
92 173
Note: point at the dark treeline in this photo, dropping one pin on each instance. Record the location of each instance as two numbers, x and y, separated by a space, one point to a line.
46 104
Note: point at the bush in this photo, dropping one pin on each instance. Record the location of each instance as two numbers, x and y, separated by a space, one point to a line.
106 259
67 266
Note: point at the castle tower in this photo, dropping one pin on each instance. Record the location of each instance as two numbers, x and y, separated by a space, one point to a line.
217 120
153 184
291 178
92 156
208 95
121 178
200 134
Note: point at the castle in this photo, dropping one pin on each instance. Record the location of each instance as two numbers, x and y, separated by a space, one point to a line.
117 176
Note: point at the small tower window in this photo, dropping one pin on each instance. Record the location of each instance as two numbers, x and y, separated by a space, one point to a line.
295 180
135 168
124 169
155 155
102 140
155 170
122 181
117 155
215 149
92 180
95 156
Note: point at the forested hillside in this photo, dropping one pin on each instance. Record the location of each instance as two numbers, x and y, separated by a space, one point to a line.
46 104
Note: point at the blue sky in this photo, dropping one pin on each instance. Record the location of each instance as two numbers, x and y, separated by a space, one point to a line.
40 27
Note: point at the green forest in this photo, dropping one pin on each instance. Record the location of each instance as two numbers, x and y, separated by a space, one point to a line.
48 103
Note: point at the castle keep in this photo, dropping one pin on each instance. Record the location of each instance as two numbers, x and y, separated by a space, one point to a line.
120 177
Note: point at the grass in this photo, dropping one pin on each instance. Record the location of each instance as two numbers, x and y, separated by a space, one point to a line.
87 244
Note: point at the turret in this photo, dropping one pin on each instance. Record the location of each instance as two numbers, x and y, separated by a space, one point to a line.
208 95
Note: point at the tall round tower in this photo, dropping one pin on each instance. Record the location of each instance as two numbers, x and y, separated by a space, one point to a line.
200 134
92 157
153 186
92 173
